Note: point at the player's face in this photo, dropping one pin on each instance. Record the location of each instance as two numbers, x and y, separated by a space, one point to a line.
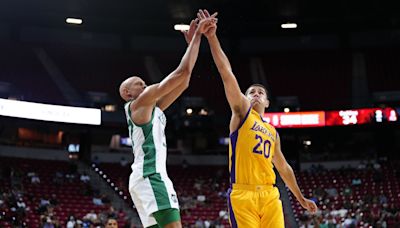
111 223
257 96
137 87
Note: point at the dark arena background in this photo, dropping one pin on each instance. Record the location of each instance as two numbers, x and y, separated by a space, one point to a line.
332 70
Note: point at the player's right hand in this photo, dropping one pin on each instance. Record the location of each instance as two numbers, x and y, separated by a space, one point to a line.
211 30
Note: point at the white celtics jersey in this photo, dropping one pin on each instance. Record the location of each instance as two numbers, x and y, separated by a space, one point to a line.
148 143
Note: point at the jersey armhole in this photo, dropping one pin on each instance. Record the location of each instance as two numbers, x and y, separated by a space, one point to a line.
244 120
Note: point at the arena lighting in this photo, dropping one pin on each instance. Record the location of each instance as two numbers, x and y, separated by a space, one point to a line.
289 25
203 112
189 111
46 112
181 27
75 21
110 108
286 110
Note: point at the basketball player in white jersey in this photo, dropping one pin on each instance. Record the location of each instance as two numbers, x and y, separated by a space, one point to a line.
149 185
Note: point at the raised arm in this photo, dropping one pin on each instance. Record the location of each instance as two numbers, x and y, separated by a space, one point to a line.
236 99
165 101
287 174
165 92
152 93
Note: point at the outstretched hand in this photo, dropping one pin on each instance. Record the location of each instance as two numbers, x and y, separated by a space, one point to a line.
190 33
204 15
204 23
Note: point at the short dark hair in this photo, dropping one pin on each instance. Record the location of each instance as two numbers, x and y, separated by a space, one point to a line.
258 85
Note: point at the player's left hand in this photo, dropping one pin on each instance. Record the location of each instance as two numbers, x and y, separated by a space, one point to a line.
190 33
309 205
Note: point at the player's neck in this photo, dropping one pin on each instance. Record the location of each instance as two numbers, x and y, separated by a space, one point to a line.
258 109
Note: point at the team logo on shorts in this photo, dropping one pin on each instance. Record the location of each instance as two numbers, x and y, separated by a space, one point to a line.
174 198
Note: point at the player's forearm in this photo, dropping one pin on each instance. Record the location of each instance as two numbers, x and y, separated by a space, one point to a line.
220 59
290 180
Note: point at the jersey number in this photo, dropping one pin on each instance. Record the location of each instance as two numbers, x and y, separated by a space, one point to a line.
265 147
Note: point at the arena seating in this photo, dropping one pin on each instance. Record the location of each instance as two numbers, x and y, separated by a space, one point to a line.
377 187
70 195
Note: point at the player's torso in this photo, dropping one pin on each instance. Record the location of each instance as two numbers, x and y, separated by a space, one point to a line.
251 150
149 144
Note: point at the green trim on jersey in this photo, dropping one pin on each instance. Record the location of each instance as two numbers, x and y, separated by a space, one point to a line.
149 148
167 216
160 191
130 122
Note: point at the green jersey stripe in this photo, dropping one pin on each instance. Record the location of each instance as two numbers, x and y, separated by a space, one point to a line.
160 191
149 148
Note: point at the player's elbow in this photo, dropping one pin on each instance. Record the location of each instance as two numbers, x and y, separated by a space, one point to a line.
185 83
183 71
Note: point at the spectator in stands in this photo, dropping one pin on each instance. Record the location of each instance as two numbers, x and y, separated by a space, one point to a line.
349 222
123 162
105 199
199 223
347 191
44 202
331 192
97 200
356 181
58 178
35 178
85 178
382 199
223 214
111 223
207 223
111 213
362 166
53 200
142 104
49 222
71 221
70 177
376 166
21 203
201 199
91 216
198 184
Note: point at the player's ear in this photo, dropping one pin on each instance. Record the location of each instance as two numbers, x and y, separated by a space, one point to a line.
267 103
